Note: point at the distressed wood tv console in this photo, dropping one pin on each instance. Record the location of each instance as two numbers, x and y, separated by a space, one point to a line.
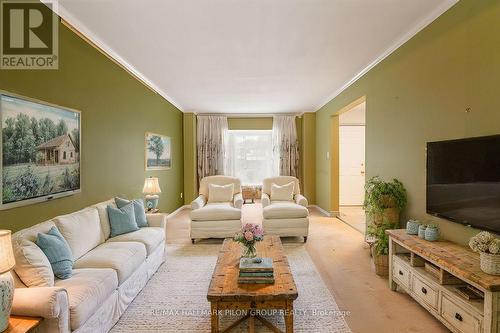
457 266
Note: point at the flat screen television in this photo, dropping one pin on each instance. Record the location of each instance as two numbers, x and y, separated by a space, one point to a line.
463 181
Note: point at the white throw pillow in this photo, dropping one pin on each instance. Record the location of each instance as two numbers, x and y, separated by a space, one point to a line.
282 193
220 193
82 230
32 265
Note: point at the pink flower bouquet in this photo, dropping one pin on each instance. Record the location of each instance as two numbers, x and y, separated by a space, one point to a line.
247 237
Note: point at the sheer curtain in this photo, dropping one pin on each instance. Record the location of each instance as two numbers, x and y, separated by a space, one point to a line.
285 146
211 145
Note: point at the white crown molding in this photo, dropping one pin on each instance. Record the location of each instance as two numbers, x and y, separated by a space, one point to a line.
399 42
62 12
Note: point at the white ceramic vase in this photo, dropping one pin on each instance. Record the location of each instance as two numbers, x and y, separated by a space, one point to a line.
6 296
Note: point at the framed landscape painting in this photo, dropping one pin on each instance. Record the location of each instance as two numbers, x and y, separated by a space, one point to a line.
40 151
158 152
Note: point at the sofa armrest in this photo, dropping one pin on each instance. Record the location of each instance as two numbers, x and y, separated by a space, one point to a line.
45 302
301 200
198 202
238 200
266 201
157 220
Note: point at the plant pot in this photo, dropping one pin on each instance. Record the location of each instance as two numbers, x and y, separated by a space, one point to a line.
390 215
412 227
490 263
431 234
381 262
387 201
421 231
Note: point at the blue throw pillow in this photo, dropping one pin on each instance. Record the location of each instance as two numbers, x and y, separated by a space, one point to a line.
139 211
58 252
122 220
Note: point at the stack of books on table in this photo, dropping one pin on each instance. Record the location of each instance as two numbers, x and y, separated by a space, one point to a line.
256 272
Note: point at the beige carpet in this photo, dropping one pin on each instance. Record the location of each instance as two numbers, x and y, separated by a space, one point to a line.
174 300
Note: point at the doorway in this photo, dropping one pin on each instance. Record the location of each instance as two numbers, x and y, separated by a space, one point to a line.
348 164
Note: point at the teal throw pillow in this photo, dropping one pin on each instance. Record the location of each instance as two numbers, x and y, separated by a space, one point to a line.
122 220
139 211
58 252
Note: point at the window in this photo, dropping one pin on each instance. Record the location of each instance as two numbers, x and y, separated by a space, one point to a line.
64 155
250 155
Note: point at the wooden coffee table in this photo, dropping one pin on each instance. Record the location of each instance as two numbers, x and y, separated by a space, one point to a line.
225 294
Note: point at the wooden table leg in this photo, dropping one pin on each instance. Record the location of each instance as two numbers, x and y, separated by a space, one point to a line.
251 324
214 315
289 317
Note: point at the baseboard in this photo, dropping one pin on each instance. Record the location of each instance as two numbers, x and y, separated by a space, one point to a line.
177 211
322 211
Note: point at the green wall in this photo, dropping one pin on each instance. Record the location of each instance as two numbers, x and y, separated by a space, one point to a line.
420 93
116 110
305 133
256 123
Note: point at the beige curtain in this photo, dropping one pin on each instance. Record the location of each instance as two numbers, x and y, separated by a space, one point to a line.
210 144
285 146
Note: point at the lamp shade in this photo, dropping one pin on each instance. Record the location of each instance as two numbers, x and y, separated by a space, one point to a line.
7 261
151 186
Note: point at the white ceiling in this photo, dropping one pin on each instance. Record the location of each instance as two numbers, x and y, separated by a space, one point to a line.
252 56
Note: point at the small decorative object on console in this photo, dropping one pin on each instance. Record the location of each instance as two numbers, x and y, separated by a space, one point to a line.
249 235
489 252
151 189
7 263
412 227
431 233
421 231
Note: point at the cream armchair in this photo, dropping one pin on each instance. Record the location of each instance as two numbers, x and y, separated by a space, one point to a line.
216 219
284 218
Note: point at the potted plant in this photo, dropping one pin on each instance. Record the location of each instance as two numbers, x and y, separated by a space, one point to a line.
431 233
384 200
380 248
489 252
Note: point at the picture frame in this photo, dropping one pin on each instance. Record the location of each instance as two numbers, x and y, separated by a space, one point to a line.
157 152
40 151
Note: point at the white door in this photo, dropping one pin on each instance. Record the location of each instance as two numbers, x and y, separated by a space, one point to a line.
352 164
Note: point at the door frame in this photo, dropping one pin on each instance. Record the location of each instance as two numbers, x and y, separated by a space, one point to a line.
335 155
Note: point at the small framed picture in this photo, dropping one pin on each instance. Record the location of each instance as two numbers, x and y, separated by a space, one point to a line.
158 152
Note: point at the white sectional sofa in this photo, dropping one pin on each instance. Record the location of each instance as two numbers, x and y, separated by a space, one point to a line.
107 274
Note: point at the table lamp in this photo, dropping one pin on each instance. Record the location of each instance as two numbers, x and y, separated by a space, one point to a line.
7 262
151 189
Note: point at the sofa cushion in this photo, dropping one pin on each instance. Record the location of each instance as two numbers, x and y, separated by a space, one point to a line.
87 290
123 257
82 230
151 237
32 265
122 220
282 192
284 210
102 209
139 210
220 193
216 211
57 251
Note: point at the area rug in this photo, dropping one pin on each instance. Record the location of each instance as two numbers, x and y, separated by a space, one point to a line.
174 300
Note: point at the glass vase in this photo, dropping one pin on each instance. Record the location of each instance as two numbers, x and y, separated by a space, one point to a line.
249 251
